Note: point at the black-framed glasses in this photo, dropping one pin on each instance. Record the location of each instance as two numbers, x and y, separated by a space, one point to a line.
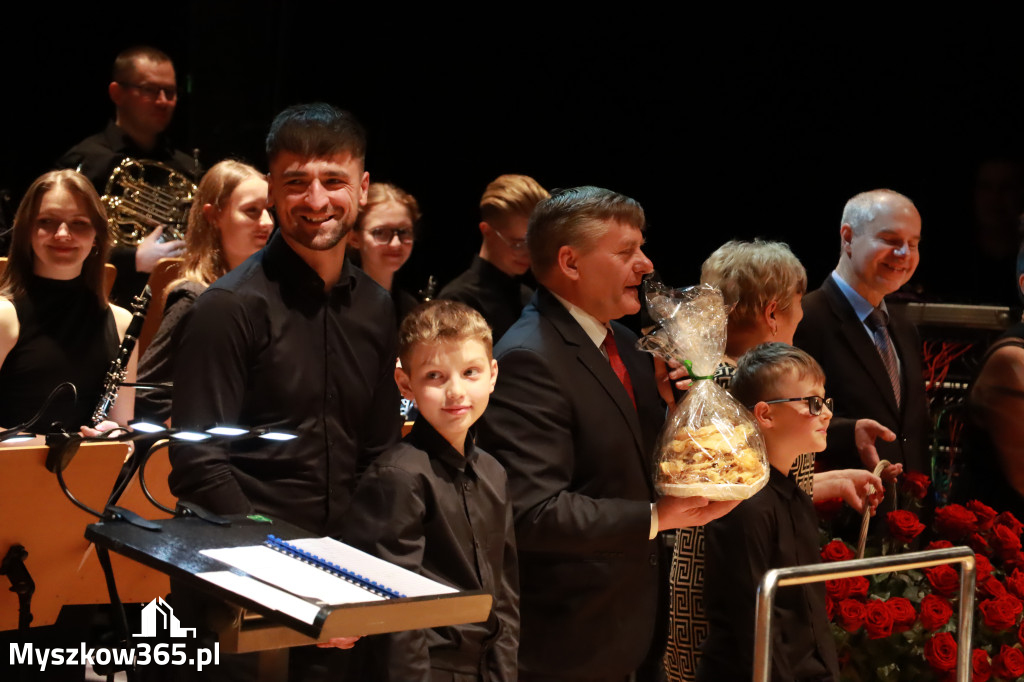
384 235
814 403
152 91
514 244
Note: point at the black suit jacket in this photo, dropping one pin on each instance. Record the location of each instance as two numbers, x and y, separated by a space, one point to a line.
856 378
578 458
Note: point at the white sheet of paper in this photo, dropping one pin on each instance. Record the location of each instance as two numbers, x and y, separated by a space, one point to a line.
271 597
292 575
394 577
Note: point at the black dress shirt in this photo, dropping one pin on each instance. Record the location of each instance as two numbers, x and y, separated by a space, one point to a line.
775 528
266 346
488 290
427 508
96 157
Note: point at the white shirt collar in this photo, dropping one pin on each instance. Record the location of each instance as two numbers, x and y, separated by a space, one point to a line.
593 327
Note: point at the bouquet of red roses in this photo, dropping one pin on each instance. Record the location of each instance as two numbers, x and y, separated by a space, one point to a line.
901 626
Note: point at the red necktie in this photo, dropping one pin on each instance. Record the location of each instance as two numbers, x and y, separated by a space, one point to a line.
616 362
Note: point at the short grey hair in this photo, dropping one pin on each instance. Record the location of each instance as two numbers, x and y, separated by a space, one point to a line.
865 207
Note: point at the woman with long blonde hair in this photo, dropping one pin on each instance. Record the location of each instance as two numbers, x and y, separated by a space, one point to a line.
228 223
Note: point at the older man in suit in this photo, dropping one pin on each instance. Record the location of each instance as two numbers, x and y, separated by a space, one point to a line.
871 355
573 418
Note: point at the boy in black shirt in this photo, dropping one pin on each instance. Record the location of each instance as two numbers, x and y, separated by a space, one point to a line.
784 388
438 505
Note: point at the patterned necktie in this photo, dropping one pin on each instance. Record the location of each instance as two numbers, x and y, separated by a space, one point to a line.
878 321
616 362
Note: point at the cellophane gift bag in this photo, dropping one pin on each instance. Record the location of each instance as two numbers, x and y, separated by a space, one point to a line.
710 445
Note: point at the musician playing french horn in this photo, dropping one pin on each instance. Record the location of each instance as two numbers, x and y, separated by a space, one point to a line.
144 91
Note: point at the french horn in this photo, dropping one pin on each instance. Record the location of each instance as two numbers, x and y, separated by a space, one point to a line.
142 195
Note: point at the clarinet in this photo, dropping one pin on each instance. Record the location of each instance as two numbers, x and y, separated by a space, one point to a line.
119 366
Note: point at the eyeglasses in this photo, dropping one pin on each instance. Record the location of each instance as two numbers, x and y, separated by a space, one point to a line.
514 244
152 91
814 403
384 235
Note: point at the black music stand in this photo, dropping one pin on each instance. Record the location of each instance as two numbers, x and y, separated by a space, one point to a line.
175 550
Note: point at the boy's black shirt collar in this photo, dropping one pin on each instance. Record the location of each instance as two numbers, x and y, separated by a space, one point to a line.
425 437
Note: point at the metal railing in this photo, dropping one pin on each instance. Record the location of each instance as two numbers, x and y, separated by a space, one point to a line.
802 575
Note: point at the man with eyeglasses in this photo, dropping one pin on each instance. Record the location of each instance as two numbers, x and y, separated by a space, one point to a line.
492 284
144 91
870 353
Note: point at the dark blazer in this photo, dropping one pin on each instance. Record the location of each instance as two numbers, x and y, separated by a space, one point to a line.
856 378
578 459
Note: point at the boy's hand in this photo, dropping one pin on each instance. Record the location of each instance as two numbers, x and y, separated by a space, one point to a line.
865 431
684 512
339 643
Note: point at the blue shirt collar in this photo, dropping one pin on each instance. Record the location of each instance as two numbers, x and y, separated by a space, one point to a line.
861 306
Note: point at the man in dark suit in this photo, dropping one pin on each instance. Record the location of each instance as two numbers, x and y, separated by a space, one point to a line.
871 355
573 418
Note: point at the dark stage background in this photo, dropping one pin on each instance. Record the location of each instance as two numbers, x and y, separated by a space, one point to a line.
719 130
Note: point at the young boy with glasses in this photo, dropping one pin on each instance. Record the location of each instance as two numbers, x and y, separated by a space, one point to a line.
784 389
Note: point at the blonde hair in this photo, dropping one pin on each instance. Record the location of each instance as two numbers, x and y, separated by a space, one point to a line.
511 195
442 321
752 274
21 258
205 261
381 193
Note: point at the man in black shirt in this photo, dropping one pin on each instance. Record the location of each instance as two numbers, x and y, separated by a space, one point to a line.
294 338
144 91
491 285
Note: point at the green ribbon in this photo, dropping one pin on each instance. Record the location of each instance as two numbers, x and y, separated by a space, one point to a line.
689 368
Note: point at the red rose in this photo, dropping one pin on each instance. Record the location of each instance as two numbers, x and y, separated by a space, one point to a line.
859 586
991 587
904 526
915 484
1016 561
1005 542
830 607
850 615
940 652
1010 521
837 550
981 666
1015 583
943 579
1009 663
838 589
986 514
982 568
939 544
979 544
877 620
1000 613
903 614
935 612
954 521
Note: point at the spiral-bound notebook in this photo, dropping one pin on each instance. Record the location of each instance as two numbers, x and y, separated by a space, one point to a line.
326 571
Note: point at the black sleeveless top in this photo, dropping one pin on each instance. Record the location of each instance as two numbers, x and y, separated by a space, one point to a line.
64 335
